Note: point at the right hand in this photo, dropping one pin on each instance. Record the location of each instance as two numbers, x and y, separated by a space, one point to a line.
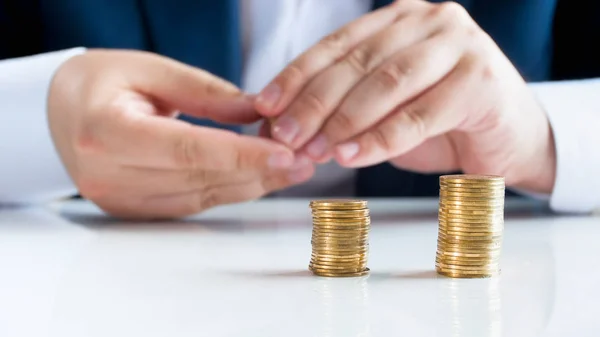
110 115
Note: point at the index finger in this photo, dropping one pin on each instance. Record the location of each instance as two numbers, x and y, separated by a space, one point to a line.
276 96
159 142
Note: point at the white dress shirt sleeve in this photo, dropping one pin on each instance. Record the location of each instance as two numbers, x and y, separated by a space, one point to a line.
30 168
573 108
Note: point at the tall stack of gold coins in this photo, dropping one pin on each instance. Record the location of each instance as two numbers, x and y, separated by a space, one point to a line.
471 225
340 238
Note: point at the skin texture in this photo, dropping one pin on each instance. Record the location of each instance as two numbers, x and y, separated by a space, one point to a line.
111 118
419 85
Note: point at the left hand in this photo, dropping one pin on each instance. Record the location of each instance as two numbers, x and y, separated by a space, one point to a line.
418 84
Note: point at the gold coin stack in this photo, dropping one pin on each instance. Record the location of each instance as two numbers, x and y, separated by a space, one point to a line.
471 224
340 243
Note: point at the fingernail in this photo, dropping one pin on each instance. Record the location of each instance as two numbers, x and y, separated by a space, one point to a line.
285 129
269 96
281 160
347 151
317 147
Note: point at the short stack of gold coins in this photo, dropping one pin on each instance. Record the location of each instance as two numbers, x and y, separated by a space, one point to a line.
471 225
340 238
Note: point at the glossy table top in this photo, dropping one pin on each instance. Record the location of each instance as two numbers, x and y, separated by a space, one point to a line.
69 271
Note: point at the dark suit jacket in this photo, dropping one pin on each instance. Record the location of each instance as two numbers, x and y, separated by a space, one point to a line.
543 38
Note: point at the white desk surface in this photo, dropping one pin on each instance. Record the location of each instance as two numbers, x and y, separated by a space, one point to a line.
68 271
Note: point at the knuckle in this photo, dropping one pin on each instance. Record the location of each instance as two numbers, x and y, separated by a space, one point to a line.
291 75
242 160
450 10
313 103
413 119
186 153
393 76
489 73
212 87
453 16
196 177
86 141
335 43
361 60
208 198
341 122
381 138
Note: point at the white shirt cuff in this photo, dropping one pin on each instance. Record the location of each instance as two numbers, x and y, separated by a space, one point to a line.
30 168
573 108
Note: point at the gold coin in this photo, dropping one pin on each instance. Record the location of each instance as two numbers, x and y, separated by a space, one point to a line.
341 214
481 261
338 265
340 236
472 178
485 266
474 222
339 256
473 195
343 226
471 189
341 250
455 229
485 254
454 274
470 220
341 220
352 269
471 204
470 209
338 204
467 248
329 274
471 213
467 259
450 232
461 237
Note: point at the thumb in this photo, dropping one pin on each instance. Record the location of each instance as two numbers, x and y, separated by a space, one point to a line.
194 91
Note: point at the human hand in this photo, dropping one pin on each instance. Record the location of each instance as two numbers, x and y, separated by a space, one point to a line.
110 115
418 84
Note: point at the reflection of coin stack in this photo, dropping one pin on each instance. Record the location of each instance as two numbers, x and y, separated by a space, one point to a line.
471 224
472 309
340 243
343 307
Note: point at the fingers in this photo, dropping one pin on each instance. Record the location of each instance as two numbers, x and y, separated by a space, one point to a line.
322 95
184 204
399 80
276 96
177 86
438 111
177 82
148 141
